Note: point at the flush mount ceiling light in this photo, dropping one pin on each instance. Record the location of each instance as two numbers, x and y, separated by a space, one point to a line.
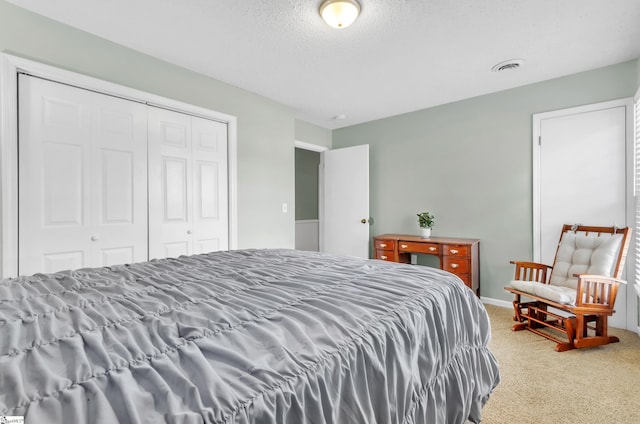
339 13
507 65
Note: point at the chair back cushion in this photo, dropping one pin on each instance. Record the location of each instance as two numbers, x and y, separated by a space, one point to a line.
584 253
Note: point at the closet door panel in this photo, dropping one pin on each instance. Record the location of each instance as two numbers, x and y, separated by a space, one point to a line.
119 184
117 187
175 193
63 183
82 180
170 184
54 173
210 220
188 206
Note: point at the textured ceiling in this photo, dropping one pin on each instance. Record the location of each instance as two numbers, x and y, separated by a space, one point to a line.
399 56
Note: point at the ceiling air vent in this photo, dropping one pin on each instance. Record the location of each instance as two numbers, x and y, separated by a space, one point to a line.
507 65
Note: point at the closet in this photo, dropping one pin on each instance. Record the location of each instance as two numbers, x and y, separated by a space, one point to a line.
103 180
187 184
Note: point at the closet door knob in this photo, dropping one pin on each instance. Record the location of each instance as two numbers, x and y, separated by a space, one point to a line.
95 238
188 231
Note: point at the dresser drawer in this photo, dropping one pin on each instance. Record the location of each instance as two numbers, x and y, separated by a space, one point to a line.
455 250
455 265
413 247
384 244
385 255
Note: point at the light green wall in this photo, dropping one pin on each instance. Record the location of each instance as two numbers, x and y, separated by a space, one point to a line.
266 129
307 163
470 163
313 134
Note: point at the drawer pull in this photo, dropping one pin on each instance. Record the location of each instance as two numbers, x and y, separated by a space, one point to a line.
383 257
453 251
454 266
432 249
383 245
404 246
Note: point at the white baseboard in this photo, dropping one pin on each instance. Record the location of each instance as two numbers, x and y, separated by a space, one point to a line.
496 302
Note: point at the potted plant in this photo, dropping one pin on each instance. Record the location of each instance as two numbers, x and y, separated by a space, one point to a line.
426 221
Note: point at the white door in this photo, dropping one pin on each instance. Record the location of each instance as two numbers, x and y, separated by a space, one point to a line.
210 182
581 177
82 178
188 209
345 201
119 181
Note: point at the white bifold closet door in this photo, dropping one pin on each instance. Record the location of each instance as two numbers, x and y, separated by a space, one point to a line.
188 196
82 180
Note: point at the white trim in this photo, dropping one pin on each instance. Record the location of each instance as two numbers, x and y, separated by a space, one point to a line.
232 170
9 167
635 311
496 302
306 221
10 67
321 241
309 146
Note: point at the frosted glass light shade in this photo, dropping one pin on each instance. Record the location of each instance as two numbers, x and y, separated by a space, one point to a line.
339 13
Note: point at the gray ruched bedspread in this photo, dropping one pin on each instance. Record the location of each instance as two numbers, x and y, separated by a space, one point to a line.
247 336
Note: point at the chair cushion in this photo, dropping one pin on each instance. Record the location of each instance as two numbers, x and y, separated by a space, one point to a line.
559 294
584 253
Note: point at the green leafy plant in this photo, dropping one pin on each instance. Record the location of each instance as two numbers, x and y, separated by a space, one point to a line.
425 220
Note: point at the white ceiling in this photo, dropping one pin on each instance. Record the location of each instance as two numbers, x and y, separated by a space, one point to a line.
399 56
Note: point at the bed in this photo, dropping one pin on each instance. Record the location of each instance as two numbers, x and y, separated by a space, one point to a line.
245 336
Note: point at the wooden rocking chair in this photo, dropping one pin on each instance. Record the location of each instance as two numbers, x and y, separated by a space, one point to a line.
582 287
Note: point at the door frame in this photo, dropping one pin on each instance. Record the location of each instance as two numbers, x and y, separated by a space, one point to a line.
627 103
320 149
10 67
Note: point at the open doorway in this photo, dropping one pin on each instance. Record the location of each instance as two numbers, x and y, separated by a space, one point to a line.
332 199
307 207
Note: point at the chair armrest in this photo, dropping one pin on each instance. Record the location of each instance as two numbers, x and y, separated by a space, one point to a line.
597 290
531 271
604 278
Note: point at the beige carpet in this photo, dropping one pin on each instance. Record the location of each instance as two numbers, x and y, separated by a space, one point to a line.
539 385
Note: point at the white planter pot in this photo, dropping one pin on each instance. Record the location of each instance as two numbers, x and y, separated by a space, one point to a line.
425 232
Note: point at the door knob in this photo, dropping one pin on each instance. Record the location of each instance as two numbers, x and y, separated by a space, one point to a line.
188 231
363 220
95 238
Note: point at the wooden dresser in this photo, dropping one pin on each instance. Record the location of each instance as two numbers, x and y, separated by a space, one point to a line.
460 256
